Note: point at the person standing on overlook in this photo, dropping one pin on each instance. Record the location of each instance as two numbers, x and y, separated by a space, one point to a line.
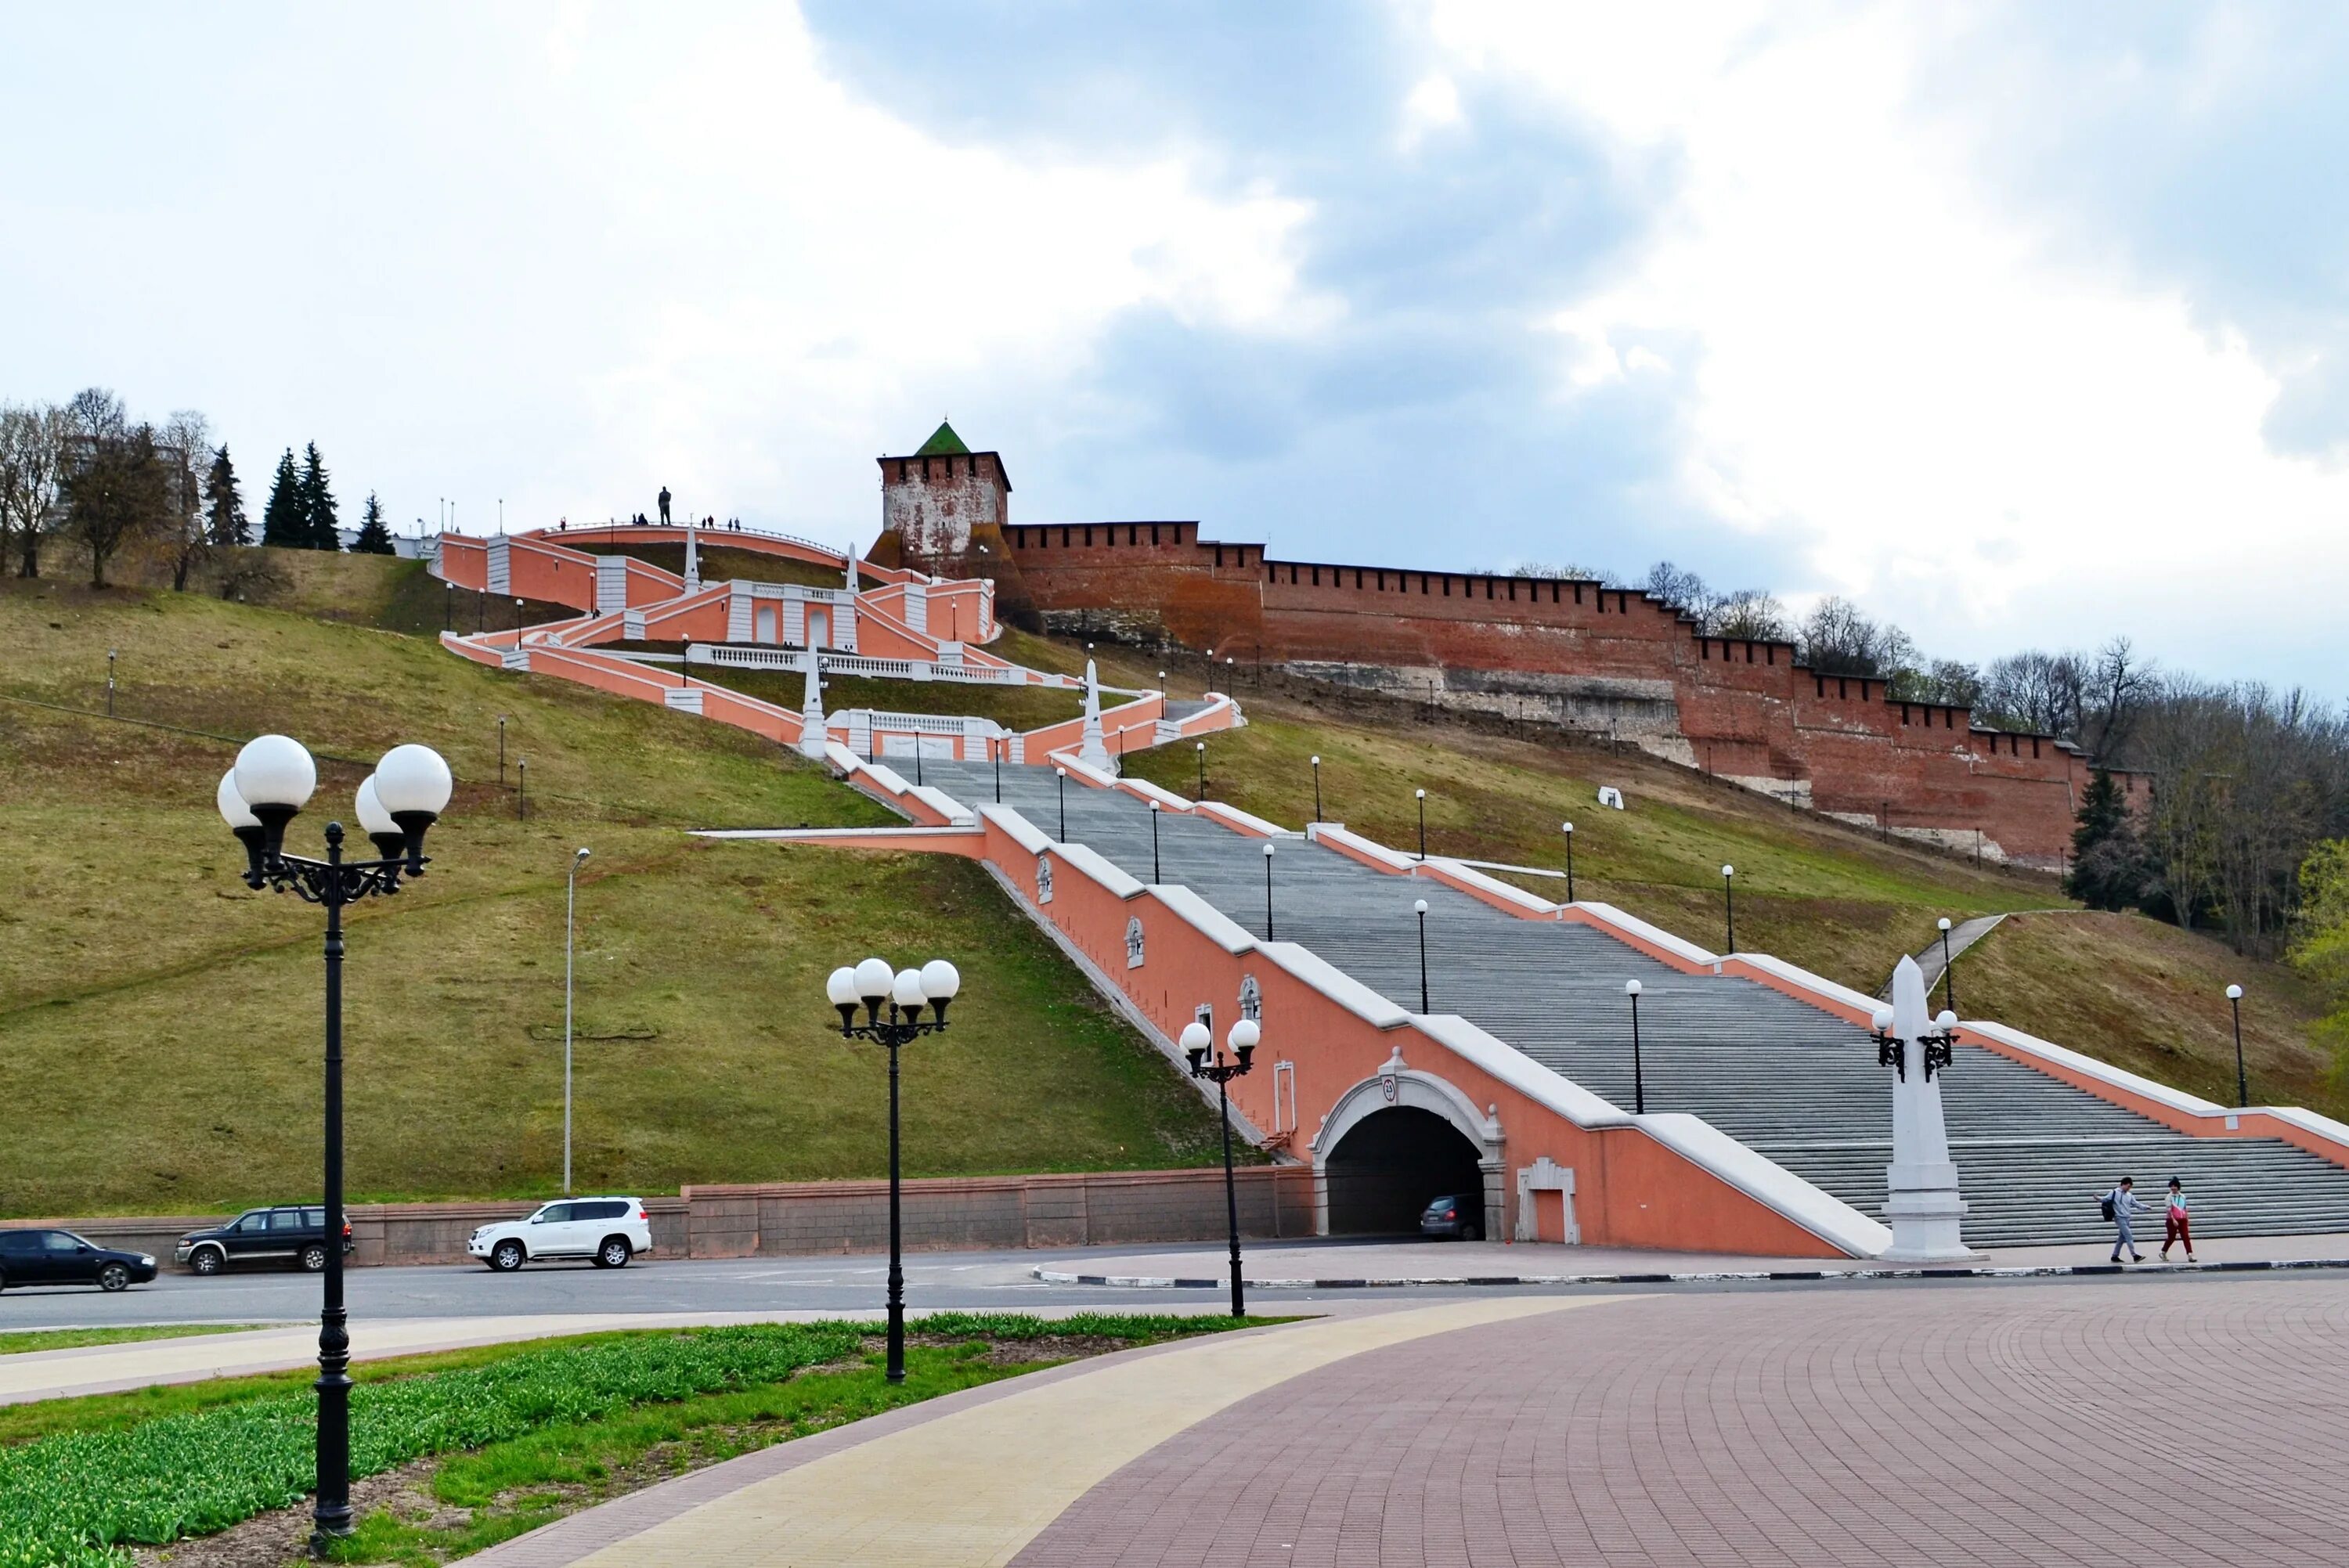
664 503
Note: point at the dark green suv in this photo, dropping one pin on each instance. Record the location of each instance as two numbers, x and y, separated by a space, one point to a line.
296 1236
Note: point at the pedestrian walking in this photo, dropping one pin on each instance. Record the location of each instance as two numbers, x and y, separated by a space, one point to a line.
2122 1208
664 503
2177 1225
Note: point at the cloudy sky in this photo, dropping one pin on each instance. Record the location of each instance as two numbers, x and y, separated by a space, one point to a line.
2020 324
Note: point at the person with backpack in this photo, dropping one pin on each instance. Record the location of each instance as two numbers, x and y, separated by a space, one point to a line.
2121 1207
2176 1226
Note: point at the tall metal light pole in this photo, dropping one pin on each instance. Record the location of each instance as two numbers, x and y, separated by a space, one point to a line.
1948 972
1423 824
1155 875
1063 774
570 915
502 751
109 683
1419 908
1317 782
1729 904
272 781
1267 890
1196 1043
1638 1078
905 992
1201 792
2242 1079
995 750
1570 861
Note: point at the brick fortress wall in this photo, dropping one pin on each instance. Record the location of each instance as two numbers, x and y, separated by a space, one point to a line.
1603 661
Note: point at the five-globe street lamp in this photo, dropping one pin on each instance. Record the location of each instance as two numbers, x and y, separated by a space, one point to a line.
1949 974
2242 1079
1729 905
271 781
1419 908
1220 1069
903 993
1638 1078
570 921
1570 861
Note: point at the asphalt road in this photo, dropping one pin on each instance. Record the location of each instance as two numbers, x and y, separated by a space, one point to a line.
988 1281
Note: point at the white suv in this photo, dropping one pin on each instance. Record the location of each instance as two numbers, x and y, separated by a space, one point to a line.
609 1230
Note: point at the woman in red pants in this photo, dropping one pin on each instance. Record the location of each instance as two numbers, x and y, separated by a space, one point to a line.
2176 1226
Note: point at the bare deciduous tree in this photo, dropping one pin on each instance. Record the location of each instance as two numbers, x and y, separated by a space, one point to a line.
30 439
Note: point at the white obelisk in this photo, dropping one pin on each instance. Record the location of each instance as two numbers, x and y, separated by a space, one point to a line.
1922 1202
692 558
1093 751
812 731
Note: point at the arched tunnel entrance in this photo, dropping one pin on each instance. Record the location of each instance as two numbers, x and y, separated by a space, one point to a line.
1392 1163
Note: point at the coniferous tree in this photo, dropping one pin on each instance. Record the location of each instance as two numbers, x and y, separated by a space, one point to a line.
282 520
2110 868
374 538
225 511
318 502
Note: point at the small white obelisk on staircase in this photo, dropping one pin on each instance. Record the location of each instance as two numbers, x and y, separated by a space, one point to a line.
1921 1202
692 558
812 731
1093 751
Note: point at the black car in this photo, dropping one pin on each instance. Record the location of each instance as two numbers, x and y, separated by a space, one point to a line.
295 1235
1461 1215
60 1257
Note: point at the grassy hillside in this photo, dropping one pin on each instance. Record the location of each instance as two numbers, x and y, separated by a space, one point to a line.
162 1023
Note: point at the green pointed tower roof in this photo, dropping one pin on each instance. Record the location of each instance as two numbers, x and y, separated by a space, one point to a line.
943 443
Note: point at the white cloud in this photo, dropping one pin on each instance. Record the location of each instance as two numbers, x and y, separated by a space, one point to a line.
1432 105
1880 360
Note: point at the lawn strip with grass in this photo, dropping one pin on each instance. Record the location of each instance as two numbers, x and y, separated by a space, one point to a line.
104 1472
26 1341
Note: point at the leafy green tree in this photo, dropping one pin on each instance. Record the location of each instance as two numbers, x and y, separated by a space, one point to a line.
318 515
2110 868
225 514
374 538
282 520
2320 948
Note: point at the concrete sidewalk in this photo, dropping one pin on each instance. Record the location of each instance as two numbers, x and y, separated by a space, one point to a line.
1402 1263
111 1368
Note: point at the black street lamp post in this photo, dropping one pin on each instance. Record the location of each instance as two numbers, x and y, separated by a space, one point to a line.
1267 890
1201 794
1570 861
903 993
502 751
272 781
1423 824
1639 1077
1062 774
1317 775
1419 908
1155 874
995 750
1729 904
109 685
1949 970
2242 1079
1220 1069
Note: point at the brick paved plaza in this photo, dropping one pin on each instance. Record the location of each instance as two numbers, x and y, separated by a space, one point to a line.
2138 1422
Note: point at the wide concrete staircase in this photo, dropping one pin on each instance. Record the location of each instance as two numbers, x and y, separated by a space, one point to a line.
2033 1152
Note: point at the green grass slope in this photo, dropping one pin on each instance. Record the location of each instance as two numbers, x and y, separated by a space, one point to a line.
161 1023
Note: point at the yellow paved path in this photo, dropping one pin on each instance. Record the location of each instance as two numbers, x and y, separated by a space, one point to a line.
974 1486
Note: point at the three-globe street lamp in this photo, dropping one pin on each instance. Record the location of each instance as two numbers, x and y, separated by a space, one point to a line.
1639 1077
1317 786
903 993
570 914
1267 890
272 781
2243 1081
1570 861
1949 974
1220 1069
1155 875
1729 904
1419 908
